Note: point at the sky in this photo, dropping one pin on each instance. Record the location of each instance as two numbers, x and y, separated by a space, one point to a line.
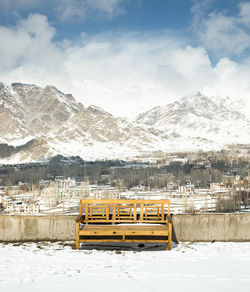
128 56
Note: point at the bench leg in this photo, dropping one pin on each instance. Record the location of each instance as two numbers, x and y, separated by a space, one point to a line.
77 236
169 236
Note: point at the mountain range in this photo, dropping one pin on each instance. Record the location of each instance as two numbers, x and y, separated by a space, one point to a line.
38 123
197 120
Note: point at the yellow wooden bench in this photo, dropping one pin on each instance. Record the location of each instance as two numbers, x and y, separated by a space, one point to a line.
124 221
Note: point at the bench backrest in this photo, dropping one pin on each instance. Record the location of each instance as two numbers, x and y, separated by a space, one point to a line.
131 211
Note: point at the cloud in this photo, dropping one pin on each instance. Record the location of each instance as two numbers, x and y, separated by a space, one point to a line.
244 12
120 72
28 50
66 9
220 32
199 11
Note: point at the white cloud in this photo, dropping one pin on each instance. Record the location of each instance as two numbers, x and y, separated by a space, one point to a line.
231 79
244 12
70 9
28 52
121 72
199 11
220 32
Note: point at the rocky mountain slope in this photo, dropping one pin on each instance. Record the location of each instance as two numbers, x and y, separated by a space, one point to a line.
37 123
29 111
200 121
41 122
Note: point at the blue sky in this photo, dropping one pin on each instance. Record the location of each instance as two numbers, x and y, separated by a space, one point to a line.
128 15
127 54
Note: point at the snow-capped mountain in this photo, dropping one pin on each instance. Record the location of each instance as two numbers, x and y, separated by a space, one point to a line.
37 123
200 121
43 122
29 111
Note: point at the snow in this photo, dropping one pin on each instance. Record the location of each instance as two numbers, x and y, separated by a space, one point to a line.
15 141
200 120
187 267
193 123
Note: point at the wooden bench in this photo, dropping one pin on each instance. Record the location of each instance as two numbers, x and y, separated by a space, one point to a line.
124 221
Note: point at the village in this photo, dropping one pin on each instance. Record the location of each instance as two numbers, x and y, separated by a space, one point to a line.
193 182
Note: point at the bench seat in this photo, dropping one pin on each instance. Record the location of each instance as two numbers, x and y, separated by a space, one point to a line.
122 230
121 233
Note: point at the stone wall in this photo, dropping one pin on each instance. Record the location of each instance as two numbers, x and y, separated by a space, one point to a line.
211 227
202 227
36 228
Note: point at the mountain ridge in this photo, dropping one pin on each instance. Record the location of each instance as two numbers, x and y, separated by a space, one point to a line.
57 124
38 123
213 118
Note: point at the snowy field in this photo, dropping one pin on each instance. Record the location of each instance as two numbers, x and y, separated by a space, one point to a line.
187 267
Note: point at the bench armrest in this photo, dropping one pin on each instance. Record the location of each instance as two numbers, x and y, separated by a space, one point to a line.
78 218
169 218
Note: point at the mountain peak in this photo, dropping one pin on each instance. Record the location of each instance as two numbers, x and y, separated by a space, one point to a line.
57 124
52 88
23 85
28 110
200 117
97 110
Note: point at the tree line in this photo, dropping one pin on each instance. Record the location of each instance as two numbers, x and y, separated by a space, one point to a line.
121 174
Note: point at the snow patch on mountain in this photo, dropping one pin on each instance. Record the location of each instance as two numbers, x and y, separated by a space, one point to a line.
43 122
213 120
57 124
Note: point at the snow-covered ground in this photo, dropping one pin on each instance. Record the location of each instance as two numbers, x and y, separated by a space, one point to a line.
187 267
